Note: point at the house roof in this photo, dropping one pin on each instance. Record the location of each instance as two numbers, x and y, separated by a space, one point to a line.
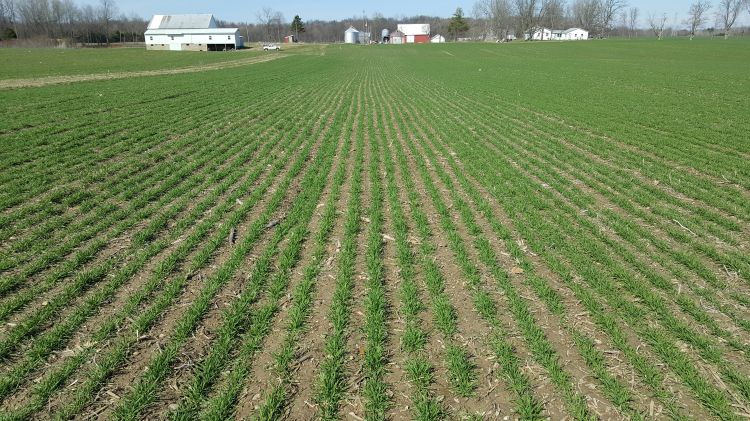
567 31
397 33
198 31
182 22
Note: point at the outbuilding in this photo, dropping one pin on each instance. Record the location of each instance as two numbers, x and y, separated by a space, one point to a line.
398 37
439 39
351 36
190 33
574 34
415 33
540 34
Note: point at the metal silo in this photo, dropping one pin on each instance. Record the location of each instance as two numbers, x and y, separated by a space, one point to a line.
385 35
351 36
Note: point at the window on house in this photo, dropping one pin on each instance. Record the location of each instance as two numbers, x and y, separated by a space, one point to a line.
229 37
151 38
171 37
210 38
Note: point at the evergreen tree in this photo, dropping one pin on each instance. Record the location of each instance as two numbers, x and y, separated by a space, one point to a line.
297 27
458 25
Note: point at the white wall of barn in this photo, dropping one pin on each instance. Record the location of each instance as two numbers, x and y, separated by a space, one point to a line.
178 39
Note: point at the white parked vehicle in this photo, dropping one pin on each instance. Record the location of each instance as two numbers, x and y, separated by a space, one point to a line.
271 47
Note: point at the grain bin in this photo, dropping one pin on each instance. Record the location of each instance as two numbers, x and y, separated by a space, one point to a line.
385 35
351 36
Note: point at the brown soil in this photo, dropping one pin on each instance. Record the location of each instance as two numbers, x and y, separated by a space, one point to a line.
310 350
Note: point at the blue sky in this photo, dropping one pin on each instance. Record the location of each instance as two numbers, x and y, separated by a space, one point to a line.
343 9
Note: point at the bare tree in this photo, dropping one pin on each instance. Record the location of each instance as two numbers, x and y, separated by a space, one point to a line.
265 19
607 12
632 19
728 12
657 24
497 16
7 19
552 13
35 14
526 13
586 14
279 25
107 11
697 16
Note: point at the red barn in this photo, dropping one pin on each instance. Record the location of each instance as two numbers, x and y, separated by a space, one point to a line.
415 33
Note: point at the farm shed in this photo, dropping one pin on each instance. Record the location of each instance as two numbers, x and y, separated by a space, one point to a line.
540 34
351 36
190 33
575 34
415 33
398 37
437 39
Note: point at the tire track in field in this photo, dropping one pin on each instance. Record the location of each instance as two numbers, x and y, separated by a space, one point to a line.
56 80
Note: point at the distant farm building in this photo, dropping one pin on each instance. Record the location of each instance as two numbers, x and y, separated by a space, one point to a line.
398 37
385 36
540 34
437 39
415 33
351 36
190 33
289 39
572 34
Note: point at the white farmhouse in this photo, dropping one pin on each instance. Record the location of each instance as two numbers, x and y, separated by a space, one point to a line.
575 34
572 34
190 33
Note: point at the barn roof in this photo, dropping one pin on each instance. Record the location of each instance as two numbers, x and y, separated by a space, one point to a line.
182 22
414 28
198 31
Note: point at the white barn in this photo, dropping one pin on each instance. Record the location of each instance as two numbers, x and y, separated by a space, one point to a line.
190 33
437 39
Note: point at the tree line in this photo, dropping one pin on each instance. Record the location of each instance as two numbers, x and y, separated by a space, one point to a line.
602 18
58 21
102 23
